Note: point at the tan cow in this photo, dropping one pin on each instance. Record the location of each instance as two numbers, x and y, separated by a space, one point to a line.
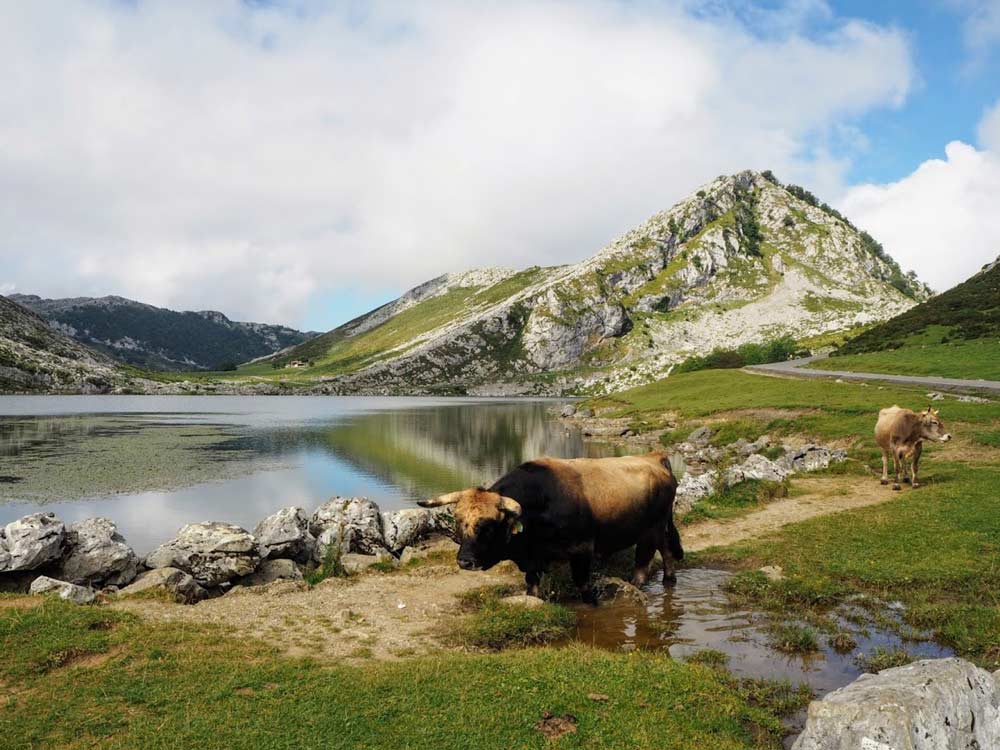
554 509
900 433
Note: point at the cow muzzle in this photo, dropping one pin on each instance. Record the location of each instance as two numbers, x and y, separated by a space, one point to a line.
467 564
945 438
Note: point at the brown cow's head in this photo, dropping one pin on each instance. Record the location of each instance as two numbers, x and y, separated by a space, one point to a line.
484 521
931 427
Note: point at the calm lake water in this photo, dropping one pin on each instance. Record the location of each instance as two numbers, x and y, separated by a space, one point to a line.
154 463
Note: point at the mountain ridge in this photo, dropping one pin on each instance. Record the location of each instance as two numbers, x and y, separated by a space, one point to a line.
743 248
158 338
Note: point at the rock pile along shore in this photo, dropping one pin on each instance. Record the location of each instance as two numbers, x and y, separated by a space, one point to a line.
40 554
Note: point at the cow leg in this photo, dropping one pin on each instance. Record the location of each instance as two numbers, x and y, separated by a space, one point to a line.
897 463
579 566
885 466
645 549
917 450
533 581
669 577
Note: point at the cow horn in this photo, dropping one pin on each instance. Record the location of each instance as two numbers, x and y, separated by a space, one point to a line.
449 499
509 506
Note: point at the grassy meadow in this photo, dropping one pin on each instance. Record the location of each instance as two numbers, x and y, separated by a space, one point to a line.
978 359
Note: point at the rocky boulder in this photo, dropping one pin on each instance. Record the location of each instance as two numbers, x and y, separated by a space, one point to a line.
31 541
693 488
97 555
184 588
285 534
213 553
757 466
617 589
403 528
811 457
935 704
270 571
64 589
355 521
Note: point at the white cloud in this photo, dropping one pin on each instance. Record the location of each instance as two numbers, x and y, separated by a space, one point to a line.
254 159
942 220
980 26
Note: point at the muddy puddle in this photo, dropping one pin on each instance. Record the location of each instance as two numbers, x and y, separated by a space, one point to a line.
696 614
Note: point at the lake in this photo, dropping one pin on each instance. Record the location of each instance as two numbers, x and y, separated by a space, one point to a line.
154 463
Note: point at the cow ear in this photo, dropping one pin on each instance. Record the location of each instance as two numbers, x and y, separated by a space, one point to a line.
509 506
450 499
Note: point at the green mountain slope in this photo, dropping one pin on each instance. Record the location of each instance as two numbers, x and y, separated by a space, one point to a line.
743 259
159 339
970 310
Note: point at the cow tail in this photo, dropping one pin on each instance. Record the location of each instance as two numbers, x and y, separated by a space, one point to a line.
673 536
674 541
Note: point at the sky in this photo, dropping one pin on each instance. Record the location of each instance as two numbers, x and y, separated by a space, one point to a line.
302 162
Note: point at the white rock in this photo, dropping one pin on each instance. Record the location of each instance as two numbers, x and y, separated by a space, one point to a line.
403 528
31 541
184 588
269 571
66 590
285 534
693 488
523 600
354 519
97 555
935 704
757 466
212 552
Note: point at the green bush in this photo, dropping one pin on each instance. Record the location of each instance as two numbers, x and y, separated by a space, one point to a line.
776 350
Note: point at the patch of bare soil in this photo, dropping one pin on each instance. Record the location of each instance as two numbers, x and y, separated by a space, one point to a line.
381 616
554 727
821 496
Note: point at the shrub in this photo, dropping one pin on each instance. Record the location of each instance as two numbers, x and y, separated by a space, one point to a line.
777 350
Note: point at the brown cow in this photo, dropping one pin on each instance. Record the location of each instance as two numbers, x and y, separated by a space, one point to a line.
554 509
900 433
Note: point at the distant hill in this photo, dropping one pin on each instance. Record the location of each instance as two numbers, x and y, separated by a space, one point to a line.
743 259
36 358
970 310
155 338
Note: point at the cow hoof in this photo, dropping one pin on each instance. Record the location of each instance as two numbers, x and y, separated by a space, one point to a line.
589 597
896 487
906 480
885 482
669 579
916 484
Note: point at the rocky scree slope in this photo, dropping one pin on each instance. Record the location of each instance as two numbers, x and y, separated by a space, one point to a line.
159 339
36 358
743 259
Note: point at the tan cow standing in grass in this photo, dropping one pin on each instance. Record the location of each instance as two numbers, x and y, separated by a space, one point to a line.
900 433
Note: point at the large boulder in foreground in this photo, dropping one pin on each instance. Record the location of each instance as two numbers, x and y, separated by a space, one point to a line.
30 542
176 582
355 521
64 589
935 704
97 555
285 535
212 552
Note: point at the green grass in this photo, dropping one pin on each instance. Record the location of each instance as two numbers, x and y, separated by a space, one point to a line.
972 360
737 500
161 687
881 658
792 638
494 625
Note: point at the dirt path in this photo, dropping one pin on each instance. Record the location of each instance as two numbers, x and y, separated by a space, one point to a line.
392 615
821 497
